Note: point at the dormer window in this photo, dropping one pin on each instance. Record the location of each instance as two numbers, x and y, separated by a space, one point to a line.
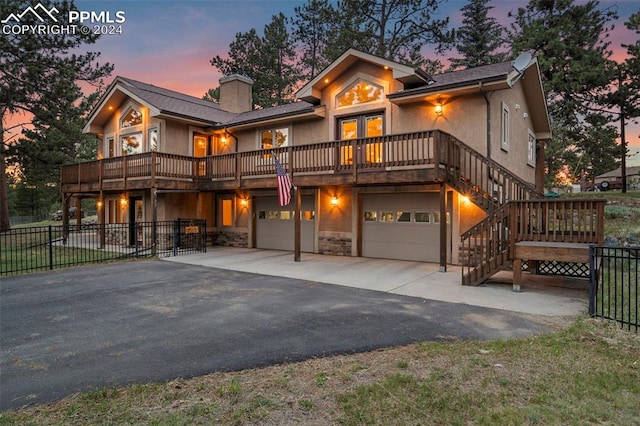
131 118
361 92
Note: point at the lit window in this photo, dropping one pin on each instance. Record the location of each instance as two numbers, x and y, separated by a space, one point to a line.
308 215
285 215
274 138
132 117
360 93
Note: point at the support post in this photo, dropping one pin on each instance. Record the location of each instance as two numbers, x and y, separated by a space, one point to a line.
297 220
443 228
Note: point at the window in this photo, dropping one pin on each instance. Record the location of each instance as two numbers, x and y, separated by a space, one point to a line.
370 216
201 146
531 149
226 215
360 93
154 135
274 138
403 217
132 117
386 217
131 143
423 217
111 146
505 127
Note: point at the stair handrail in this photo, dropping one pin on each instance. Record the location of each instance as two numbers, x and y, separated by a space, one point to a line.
452 161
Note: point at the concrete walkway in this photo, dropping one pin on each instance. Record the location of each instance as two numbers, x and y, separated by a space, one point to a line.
540 296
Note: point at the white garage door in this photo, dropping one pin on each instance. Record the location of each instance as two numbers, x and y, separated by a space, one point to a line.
275 225
402 226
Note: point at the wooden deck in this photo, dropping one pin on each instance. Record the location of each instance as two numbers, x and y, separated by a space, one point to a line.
546 250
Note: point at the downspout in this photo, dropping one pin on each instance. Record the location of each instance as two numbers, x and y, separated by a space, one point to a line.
486 99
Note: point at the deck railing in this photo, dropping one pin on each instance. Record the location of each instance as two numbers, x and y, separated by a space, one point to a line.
409 150
489 184
487 247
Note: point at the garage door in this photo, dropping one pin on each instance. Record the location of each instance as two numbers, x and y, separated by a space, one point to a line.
275 226
402 226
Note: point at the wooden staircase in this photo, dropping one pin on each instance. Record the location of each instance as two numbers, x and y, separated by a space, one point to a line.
516 211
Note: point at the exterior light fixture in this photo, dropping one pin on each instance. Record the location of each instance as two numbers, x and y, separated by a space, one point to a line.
99 204
123 202
326 80
464 199
334 201
244 202
438 108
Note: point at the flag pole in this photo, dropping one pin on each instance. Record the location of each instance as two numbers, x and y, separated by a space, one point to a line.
298 219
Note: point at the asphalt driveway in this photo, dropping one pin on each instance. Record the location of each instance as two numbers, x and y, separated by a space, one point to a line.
90 327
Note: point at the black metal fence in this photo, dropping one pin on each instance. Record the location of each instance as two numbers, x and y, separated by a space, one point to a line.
24 250
613 284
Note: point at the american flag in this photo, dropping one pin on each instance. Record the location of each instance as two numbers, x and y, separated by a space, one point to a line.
284 183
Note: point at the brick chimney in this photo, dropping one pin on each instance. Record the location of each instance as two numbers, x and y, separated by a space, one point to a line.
235 93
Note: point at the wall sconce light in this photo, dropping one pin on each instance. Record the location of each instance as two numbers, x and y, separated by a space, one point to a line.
244 202
99 204
123 202
334 201
438 108
464 199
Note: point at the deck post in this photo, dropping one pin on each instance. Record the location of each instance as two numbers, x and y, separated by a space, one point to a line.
443 228
297 220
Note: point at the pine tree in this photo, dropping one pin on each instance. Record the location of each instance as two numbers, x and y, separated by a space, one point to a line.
39 76
268 60
311 25
279 69
397 30
569 41
480 39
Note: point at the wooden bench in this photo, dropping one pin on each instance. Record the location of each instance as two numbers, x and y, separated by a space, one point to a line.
546 250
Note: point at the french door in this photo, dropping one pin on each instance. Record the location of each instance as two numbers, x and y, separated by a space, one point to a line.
357 127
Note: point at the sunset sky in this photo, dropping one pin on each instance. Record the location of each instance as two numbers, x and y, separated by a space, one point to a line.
170 43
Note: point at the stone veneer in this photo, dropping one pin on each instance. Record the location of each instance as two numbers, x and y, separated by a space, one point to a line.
231 239
335 246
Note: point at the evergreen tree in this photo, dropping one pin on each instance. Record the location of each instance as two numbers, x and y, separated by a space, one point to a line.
624 95
39 75
269 61
480 39
279 68
569 41
311 25
397 30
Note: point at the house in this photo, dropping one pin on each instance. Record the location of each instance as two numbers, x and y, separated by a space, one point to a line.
613 179
387 161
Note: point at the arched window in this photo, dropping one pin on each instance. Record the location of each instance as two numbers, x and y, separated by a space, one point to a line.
131 118
361 92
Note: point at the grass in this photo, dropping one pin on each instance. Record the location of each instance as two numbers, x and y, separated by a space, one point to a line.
587 372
